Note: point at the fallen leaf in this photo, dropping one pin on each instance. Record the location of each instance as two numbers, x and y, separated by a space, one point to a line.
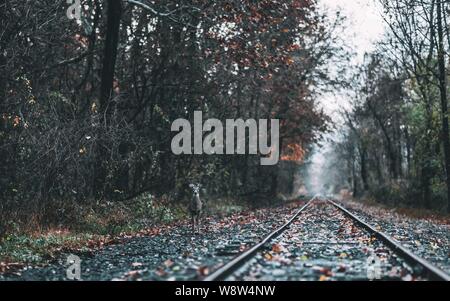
276 248
268 256
342 269
160 272
168 263
133 275
343 255
203 271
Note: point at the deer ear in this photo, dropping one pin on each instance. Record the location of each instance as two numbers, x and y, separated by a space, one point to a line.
191 185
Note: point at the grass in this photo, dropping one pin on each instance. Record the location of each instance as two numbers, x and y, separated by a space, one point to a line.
41 248
93 227
100 224
418 213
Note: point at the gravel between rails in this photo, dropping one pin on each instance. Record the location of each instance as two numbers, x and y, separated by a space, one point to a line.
325 245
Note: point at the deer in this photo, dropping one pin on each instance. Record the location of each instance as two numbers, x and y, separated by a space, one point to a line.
195 207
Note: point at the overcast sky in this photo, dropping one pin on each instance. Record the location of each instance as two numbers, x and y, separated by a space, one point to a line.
365 24
364 27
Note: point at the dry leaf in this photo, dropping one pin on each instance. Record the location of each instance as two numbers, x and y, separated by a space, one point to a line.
168 263
203 271
323 278
276 248
268 256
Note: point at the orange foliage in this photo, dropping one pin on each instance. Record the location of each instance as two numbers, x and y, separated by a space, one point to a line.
294 153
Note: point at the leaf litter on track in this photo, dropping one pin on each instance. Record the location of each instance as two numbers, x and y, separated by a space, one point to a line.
324 245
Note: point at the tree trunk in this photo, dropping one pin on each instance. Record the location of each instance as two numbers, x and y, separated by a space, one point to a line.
364 178
443 96
110 52
275 172
355 181
425 182
389 145
399 155
408 152
114 13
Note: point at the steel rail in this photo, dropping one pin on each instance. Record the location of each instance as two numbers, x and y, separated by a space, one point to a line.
428 270
229 268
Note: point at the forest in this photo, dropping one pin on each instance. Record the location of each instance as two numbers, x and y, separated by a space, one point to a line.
87 104
92 93
396 135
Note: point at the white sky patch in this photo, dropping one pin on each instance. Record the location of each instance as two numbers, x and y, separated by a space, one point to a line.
364 27
365 23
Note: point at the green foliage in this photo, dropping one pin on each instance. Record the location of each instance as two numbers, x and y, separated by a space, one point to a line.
30 249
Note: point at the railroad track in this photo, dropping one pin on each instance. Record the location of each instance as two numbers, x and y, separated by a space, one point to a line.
327 220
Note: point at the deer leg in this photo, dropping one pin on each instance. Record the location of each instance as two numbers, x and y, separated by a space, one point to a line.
195 224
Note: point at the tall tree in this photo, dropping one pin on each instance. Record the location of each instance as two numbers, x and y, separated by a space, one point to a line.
442 75
114 16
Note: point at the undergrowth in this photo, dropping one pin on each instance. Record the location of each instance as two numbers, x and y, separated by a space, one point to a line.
80 229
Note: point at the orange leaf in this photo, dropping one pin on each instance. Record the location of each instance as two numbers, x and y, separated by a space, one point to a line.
276 248
203 271
168 263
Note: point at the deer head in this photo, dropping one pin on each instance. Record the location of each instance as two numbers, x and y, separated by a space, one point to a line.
195 188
